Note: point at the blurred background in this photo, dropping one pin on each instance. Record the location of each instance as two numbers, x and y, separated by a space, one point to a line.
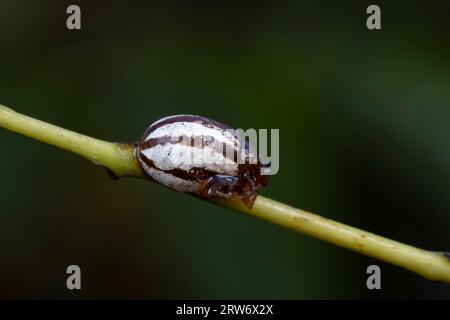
364 126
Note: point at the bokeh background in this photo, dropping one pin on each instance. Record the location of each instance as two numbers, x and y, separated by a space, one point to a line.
363 118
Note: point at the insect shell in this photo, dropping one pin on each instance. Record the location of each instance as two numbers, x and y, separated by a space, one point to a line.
191 154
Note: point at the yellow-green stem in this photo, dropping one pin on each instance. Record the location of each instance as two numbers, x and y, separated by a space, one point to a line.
120 159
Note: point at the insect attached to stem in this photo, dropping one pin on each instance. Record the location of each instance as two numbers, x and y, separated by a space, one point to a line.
198 155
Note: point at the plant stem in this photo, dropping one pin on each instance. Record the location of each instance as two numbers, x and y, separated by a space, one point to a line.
431 265
120 159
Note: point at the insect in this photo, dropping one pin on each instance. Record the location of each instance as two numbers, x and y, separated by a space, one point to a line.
197 155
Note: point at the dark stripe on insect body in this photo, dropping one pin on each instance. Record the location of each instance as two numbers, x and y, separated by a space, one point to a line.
208 123
223 131
203 142
195 174
229 147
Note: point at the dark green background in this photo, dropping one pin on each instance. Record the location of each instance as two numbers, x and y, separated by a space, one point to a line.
364 125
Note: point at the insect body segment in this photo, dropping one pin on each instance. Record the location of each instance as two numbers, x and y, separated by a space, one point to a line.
198 155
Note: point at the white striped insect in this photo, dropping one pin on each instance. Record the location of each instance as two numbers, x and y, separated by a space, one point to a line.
194 154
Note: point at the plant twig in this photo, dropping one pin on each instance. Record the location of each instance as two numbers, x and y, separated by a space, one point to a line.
120 159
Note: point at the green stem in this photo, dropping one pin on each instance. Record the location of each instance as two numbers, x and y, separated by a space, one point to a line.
431 265
120 159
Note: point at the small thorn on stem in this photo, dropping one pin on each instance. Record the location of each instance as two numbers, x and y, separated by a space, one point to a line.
111 173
